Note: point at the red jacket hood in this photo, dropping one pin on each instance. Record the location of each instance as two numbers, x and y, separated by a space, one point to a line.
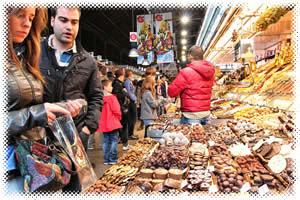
203 67
108 97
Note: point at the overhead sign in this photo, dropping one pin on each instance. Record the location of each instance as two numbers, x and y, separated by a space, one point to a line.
164 41
133 36
145 38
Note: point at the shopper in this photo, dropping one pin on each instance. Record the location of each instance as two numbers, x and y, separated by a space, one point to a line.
132 112
110 76
139 101
149 103
110 123
102 72
164 86
150 72
194 85
70 72
159 96
27 114
91 141
119 91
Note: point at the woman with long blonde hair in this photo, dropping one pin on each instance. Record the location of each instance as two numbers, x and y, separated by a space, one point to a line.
150 103
27 114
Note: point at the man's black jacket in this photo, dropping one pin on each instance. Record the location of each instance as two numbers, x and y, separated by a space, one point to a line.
79 80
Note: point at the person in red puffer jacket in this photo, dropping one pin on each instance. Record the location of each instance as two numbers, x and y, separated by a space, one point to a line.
110 123
194 85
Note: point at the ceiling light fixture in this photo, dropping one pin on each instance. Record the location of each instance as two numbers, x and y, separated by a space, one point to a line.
185 19
183 41
184 33
184 47
146 62
133 53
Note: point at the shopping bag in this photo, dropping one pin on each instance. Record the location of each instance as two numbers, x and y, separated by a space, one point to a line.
65 132
44 168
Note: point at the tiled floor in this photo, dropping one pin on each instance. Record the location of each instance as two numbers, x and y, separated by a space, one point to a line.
96 155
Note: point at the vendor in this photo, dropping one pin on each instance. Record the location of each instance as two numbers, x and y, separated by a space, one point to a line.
194 84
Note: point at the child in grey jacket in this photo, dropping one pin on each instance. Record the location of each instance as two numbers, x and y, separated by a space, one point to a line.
149 104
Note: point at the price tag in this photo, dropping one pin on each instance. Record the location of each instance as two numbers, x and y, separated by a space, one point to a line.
245 187
263 189
213 189
183 184
228 167
211 168
211 143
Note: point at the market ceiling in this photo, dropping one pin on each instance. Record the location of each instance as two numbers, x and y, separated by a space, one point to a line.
106 31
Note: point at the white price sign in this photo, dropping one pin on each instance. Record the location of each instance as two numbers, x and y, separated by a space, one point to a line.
213 189
211 143
263 189
245 187
211 168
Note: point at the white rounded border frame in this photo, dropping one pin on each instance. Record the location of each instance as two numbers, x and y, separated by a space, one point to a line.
112 4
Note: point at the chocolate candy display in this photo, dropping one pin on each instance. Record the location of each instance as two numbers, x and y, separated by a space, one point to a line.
199 179
219 149
221 161
103 187
230 181
183 128
198 159
250 164
167 158
236 156
198 134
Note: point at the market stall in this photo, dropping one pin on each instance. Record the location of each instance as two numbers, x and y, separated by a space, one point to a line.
246 148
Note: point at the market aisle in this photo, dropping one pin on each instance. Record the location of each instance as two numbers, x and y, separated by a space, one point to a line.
96 155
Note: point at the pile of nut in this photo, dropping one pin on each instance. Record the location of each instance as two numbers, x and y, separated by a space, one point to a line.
104 187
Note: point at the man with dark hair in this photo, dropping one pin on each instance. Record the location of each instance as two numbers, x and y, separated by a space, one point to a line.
69 71
194 85
118 90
